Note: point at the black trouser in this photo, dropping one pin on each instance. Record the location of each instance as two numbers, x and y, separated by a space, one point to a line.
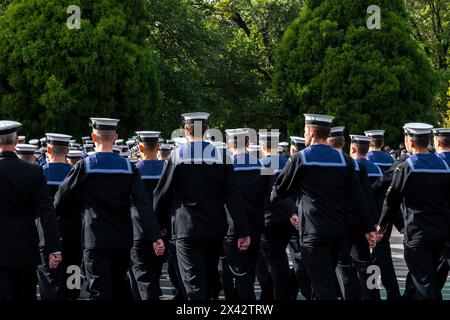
423 262
198 260
51 281
174 272
18 283
361 258
106 273
239 266
273 248
320 254
382 257
302 279
146 268
349 285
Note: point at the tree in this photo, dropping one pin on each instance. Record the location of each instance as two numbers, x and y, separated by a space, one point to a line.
54 78
330 62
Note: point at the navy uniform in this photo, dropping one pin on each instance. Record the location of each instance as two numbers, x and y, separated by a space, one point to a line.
302 282
52 282
253 186
25 193
146 265
323 179
382 255
277 230
104 186
422 184
199 181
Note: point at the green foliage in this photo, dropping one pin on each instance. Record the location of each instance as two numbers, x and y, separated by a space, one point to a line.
54 79
330 62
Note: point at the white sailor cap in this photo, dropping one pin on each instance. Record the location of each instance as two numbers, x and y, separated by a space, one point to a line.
254 147
116 148
43 140
72 141
442 132
88 145
318 119
265 136
283 144
7 127
74 146
25 149
104 123
74 154
220 145
180 140
130 142
34 142
58 139
171 142
160 140
360 139
337 131
166 147
417 128
88 141
148 136
22 138
297 140
231 133
377 134
119 142
85 138
195 116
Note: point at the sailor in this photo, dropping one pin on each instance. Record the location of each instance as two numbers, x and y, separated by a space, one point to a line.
376 155
25 196
422 184
25 152
74 156
104 186
51 281
199 181
146 265
324 179
164 151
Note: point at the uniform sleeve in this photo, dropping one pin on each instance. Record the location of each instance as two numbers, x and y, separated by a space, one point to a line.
285 183
163 193
69 194
393 198
361 205
144 213
47 216
370 197
235 204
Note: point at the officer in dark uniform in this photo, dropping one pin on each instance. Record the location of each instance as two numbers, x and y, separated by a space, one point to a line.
277 225
382 252
200 182
52 282
25 196
146 265
253 186
324 179
422 184
106 185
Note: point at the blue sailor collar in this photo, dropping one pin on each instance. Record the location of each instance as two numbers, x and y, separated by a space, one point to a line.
445 156
427 163
198 153
322 155
107 162
372 169
380 158
275 162
56 172
150 169
246 162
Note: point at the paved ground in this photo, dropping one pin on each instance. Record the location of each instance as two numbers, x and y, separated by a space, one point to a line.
397 255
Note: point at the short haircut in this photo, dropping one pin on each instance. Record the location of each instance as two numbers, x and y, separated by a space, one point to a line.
8 139
322 132
361 149
150 146
377 143
337 142
445 140
422 141
105 136
59 151
164 154
190 127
